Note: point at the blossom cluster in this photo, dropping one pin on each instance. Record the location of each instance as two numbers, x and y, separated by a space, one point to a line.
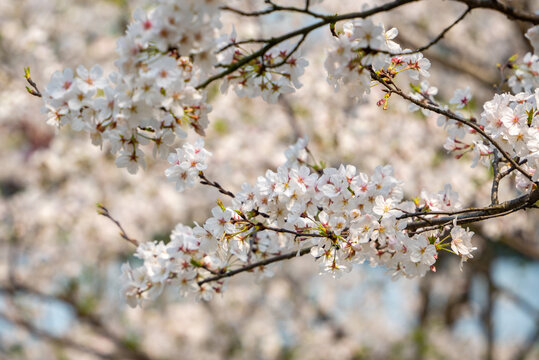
342 216
362 45
510 120
526 73
153 96
187 162
276 73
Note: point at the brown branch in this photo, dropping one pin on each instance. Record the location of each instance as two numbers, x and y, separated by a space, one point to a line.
525 201
205 181
426 213
463 217
505 208
253 266
433 41
442 34
262 227
512 168
274 8
507 10
295 49
327 20
242 42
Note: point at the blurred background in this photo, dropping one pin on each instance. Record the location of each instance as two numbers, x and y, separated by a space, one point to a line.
60 261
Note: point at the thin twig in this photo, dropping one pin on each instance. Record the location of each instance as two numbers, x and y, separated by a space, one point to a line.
286 231
242 42
34 90
274 8
433 41
295 49
205 181
512 168
442 34
426 213
507 10
101 210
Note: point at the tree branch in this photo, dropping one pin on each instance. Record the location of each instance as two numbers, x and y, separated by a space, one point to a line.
303 31
433 41
105 212
274 8
205 181
507 10
507 207
392 88
255 265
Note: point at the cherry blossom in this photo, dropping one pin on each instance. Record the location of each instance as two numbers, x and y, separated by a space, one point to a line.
342 227
152 97
187 162
461 242
461 98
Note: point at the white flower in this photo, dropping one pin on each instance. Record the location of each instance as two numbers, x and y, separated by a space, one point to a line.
164 71
131 159
61 84
184 239
220 223
384 207
515 119
187 162
391 45
461 98
90 80
366 34
417 65
421 250
461 242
